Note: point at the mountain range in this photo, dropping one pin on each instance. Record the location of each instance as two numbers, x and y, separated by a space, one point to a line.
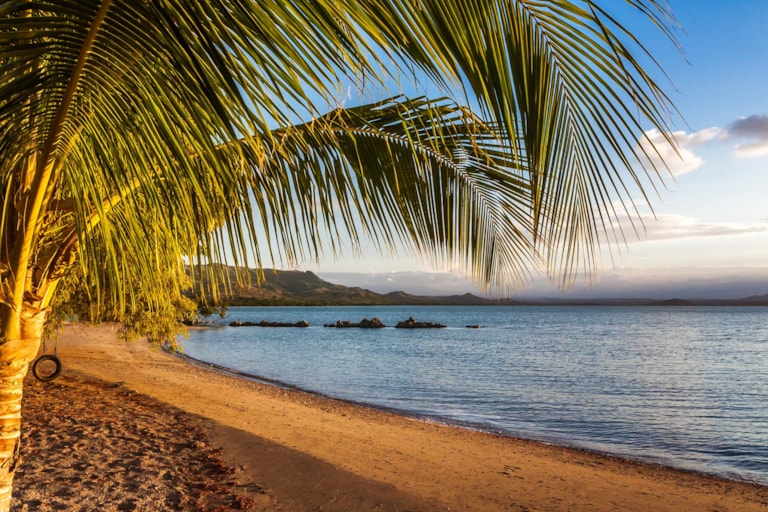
297 288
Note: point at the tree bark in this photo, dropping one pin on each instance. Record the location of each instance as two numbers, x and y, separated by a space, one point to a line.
15 356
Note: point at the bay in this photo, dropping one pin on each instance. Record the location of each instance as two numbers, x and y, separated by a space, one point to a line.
685 387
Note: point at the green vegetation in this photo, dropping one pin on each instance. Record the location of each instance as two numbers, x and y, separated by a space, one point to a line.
134 134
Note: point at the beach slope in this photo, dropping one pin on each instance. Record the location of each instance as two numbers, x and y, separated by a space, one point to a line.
247 444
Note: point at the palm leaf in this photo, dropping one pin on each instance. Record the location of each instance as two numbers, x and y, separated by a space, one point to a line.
98 99
565 80
423 173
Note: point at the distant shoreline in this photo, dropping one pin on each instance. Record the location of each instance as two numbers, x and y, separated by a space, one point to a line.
450 301
296 288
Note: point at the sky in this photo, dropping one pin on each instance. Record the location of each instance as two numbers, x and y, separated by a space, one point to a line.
709 236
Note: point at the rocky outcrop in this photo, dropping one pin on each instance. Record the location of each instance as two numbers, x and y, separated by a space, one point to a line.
413 324
365 323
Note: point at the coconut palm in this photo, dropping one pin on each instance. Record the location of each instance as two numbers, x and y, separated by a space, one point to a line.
137 133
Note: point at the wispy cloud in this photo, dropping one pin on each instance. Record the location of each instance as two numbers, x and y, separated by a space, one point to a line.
417 282
680 158
667 227
676 227
753 128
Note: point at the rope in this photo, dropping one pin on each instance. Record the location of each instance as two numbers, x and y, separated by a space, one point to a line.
55 342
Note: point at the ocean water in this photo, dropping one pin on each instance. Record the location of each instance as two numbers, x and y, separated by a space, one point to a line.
686 387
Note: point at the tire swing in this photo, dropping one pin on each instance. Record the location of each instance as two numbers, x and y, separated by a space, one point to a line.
47 366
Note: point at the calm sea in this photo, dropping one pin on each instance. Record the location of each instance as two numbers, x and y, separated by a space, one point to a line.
682 386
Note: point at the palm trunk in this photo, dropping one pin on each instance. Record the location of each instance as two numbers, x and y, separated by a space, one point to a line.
15 356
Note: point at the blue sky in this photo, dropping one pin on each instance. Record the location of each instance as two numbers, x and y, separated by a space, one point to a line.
710 234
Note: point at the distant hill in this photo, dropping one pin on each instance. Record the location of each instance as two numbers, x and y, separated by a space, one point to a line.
755 299
297 288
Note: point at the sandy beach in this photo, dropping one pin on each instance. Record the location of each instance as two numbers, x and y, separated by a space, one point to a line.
129 428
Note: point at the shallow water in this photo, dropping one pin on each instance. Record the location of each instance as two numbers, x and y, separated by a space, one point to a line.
684 386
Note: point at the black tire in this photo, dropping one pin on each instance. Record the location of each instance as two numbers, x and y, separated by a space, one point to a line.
43 373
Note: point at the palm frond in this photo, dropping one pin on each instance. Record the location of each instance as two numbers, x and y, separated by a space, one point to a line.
566 81
424 173
175 99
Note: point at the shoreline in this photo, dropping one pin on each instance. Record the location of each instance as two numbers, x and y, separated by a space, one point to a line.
448 422
303 451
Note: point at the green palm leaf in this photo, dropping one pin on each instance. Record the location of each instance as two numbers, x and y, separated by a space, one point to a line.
135 133
405 171
149 97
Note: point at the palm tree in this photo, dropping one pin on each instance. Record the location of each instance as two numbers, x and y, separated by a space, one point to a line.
140 132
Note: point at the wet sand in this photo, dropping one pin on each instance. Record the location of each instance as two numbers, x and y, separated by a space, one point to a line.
129 428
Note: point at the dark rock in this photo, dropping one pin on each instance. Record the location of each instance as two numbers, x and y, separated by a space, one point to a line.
413 324
265 323
365 323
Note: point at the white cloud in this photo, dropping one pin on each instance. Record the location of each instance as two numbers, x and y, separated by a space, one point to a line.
679 157
755 129
678 227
